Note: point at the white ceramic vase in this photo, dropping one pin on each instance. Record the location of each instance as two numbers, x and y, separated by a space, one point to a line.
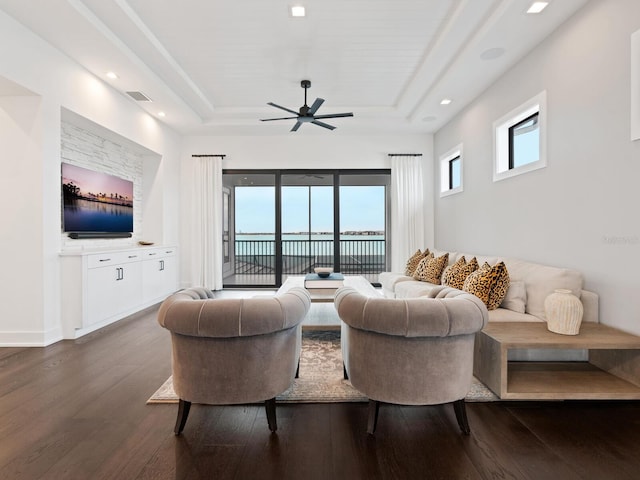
564 312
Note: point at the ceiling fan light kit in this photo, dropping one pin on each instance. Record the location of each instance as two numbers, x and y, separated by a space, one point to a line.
307 114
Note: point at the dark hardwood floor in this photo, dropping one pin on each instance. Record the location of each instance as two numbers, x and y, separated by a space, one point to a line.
76 410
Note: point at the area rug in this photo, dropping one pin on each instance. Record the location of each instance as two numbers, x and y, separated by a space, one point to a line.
321 376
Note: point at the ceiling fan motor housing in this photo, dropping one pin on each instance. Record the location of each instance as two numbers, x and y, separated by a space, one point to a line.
307 114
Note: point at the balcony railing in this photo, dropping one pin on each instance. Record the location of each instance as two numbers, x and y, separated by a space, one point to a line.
255 259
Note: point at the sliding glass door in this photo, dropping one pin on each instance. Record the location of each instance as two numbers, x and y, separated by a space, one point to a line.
284 223
307 222
251 218
364 216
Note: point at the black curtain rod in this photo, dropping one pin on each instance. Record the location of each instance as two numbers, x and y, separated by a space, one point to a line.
208 155
405 154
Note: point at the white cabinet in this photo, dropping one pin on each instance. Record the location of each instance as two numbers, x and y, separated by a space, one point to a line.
114 285
99 288
159 273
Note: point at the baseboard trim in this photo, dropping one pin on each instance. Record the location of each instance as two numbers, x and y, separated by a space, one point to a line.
30 339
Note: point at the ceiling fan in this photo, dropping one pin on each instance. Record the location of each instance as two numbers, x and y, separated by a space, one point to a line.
307 114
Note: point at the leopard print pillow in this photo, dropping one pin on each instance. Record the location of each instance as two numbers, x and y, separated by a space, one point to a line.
455 275
483 282
414 261
430 269
499 289
479 283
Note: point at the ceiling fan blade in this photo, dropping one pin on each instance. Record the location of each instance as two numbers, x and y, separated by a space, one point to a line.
296 126
316 105
325 125
283 108
334 115
281 118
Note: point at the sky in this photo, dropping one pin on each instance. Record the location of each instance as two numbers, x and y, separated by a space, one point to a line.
362 208
96 182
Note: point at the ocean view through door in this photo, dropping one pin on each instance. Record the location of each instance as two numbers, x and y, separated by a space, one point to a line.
286 223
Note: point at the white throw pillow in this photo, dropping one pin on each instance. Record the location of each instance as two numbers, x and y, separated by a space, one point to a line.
516 297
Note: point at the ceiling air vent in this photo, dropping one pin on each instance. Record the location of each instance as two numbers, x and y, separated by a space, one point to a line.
139 97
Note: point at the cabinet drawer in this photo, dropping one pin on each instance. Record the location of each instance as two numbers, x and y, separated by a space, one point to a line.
158 253
112 258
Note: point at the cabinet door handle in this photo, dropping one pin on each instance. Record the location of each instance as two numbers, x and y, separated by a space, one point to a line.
105 260
133 256
119 273
151 254
161 265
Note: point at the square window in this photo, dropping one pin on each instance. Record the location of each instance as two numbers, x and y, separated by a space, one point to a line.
520 139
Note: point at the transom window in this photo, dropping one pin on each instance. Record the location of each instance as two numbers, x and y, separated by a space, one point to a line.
451 172
520 139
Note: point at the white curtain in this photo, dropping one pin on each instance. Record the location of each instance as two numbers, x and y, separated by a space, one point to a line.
407 209
207 223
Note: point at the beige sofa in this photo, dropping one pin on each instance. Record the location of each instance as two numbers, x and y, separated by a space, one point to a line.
530 284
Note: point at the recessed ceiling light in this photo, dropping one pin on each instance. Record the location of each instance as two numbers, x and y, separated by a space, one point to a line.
111 75
162 114
445 101
537 7
297 11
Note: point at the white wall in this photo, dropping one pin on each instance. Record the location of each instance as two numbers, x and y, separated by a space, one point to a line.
581 210
300 151
30 134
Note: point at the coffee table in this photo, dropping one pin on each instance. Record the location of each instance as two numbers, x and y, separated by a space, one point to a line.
322 314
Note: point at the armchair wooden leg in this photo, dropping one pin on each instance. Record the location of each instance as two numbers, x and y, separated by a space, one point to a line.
270 407
460 408
183 413
374 408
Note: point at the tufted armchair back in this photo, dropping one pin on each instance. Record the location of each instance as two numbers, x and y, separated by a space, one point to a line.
236 350
416 351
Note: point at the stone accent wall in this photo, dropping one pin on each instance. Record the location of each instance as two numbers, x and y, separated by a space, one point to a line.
89 150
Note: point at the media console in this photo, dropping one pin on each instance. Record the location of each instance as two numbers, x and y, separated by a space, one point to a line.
101 287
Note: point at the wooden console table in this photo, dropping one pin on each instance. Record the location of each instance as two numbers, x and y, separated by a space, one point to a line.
612 372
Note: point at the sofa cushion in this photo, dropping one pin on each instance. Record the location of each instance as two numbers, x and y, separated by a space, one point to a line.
388 280
516 297
504 315
541 281
430 268
414 261
500 286
455 275
414 289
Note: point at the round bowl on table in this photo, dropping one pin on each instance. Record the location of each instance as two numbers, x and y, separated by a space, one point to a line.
323 272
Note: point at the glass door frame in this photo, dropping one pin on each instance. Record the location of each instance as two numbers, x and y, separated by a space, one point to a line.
336 174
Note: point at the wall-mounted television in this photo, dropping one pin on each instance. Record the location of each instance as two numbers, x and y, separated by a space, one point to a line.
95 204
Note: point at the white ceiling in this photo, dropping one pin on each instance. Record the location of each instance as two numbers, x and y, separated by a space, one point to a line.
212 65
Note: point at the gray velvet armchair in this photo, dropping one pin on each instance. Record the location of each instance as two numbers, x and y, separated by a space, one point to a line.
233 351
416 351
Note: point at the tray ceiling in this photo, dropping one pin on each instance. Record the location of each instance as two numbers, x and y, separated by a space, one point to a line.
212 66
